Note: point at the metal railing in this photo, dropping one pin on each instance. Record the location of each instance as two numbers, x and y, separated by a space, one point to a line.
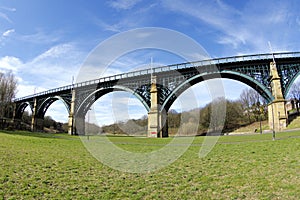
215 61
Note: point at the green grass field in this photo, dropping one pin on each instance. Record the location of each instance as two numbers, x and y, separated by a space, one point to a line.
47 166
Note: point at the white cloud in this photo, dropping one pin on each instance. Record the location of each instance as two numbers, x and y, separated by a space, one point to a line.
10 63
51 69
5 35
58 111
8 32
123 4
55 67
26 89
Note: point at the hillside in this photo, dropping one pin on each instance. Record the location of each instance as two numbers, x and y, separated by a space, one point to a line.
294 124
252 128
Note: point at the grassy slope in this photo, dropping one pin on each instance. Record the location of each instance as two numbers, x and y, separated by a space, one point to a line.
250 128
239 167
294 124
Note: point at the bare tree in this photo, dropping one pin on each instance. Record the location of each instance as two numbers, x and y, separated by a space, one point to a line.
8 89
253 104
245 100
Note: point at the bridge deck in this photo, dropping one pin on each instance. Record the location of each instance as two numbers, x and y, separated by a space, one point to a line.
180 66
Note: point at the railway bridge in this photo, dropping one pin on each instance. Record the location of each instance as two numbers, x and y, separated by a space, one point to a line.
271 75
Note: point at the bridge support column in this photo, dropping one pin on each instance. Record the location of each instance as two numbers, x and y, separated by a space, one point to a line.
153 115
71 122
33 117
80 125
157 120
276 109
163 124
14 113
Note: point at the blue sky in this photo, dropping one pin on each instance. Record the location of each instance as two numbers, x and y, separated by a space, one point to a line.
45 42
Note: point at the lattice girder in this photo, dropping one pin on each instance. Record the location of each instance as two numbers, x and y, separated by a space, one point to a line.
288 72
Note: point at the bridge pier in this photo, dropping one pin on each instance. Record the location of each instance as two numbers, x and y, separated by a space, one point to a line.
276 109
157 120
71 122
157 124
79 127
153 115
277 115
163 122
33 117
37 122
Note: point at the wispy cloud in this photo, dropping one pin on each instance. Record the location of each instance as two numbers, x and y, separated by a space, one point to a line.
251 27
139 15
123 4
41 37
5 16
119 26
56 66
8 9
5 35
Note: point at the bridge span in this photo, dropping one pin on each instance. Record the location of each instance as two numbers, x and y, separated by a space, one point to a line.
271 75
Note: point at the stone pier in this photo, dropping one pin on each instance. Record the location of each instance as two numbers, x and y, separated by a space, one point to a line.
276 109
33 117
71 122
153 115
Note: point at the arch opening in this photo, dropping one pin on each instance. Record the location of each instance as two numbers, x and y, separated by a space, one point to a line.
56 117
292 83
116 112
233 90
52 115
293 98
25 118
